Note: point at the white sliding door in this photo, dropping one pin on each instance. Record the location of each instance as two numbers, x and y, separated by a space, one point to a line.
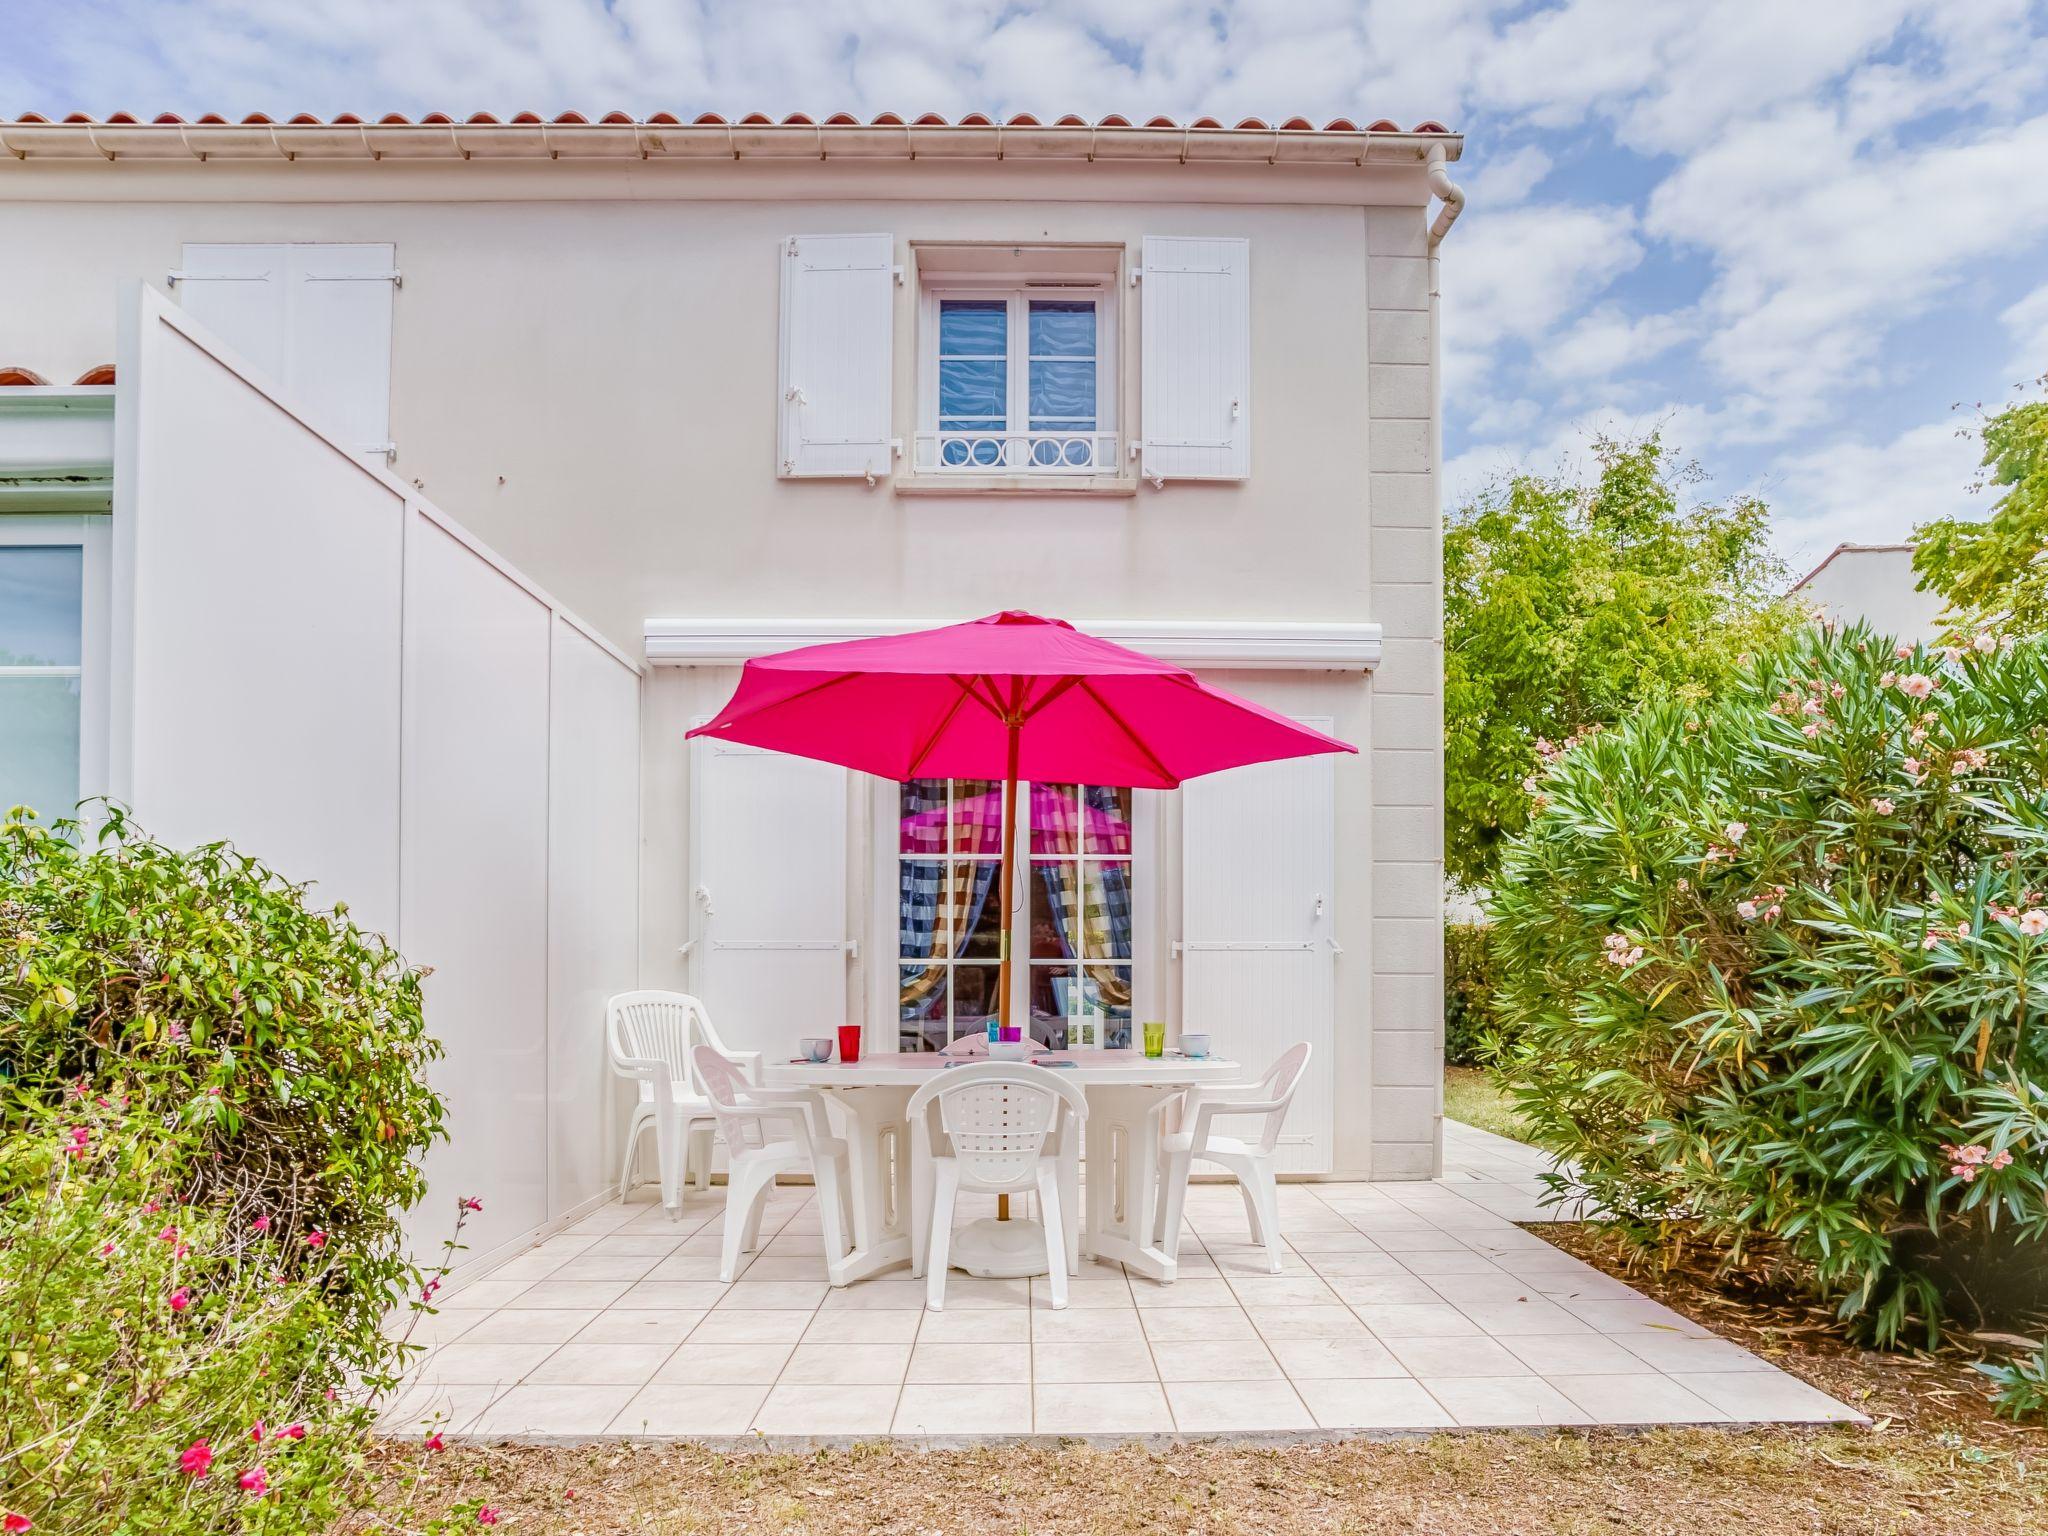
1257 915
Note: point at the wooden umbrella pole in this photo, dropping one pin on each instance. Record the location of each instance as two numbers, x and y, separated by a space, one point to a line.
1006 888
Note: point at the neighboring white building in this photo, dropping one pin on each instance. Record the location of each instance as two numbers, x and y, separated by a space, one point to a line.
451 469
1874 584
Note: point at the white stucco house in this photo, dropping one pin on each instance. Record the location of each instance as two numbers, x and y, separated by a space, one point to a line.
427 480
1873 584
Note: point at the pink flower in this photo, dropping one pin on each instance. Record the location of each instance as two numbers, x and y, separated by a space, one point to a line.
168 1235
1810 731
1985 643
1735 831
260 1224
1916 685
1911 765
472 1204
15 1524
1933 938
435 1442
1902 651
107 1249
1886 679
196 1460
254 1483
1882 806
181 1298
150 1207
316 1239
293 1432
487 1516
2033 922
256 1431
80 1136
1746 910
427 1295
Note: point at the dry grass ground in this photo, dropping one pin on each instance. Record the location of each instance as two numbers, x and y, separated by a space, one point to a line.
1935 1462
1471 1095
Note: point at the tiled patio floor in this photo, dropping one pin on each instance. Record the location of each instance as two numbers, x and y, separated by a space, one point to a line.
1402 1306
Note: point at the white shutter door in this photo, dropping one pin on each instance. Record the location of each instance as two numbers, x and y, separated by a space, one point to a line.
239 293
1196 378
1257 914
340 340
316 319
768 834
838 307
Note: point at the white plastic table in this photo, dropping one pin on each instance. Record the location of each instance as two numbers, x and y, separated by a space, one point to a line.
888 1165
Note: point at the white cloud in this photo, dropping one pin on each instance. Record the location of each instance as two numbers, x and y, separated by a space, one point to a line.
1501 180
1846 490
1607 341
1515 274
2028 322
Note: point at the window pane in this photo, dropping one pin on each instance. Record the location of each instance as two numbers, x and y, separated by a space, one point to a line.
920 919
1106 992
1106 819
921 827
1054 910
977 914
974 998
1106 911
978 388
974 327
1052 818
41 591
977 816
921 1008
1062 394
1053 996
1062 328
39 744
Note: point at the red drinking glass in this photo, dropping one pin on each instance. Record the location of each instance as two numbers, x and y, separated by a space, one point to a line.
849 1043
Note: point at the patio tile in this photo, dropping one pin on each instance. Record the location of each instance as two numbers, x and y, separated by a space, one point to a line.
1283 1291
531 1265
862 1328
480 1363
1120 1408
1448 1261
530 1325
962 1364
1331 1322
808 1409
964 1410
1093 1361
1633 1314
1080 1293
969 1293
693 1266
1011 1326
1090 1323
1332 1359
774 1295
1368 1290
1342 1238
553 1410
1374 1265
643 1325
1433 1357
1638 1399
1204 1407
615 1266
1762 1395
584 1295
600 1364
1576 1354
1530 1316
711 1364
1679 1355
566 1244
450 1406
1215 1360
479 1295
1504 1400
694 1410
1438 1319
1387 1403
765 1327
675 1295
1197 1324
1198 1292
877 1295
847 1365
1253 1263
798 1268
433 1328
640 1245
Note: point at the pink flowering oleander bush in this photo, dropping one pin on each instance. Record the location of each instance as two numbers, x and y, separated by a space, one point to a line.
213 1104
1776 969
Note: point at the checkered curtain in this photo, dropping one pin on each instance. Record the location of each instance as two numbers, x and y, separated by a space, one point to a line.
925 888
1104 921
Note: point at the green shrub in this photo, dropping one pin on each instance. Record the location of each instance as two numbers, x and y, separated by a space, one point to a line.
210 1087
1779 974
1471 1022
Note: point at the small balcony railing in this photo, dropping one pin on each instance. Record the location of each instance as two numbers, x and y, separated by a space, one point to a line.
1016 453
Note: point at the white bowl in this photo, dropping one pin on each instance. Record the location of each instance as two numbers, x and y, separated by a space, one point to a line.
1196 1046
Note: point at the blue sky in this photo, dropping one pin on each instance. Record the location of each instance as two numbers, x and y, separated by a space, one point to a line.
1792 236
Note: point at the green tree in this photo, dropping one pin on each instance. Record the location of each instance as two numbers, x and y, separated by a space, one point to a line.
1993 575
1568 606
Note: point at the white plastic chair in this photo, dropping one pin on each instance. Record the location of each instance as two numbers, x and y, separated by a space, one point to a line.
1250 1160
770 1131
650 1036
1002 1127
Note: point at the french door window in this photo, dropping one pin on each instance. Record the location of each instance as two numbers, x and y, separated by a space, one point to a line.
1071 970
42 597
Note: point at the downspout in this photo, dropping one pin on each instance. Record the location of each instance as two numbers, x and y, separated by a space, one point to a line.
1453 198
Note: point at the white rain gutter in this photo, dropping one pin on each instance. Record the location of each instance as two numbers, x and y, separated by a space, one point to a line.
1449 191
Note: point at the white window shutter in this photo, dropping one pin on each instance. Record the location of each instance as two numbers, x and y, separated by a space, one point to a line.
1258 915
833 387
768 840
315 319
1196 377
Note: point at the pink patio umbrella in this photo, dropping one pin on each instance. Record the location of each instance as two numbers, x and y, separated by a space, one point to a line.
1010 696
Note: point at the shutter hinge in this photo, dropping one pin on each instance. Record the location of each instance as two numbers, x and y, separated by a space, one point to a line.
1136 273
180 276
898 271
394 277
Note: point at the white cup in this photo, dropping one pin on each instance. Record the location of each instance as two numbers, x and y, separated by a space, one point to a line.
816 1048
1196 1046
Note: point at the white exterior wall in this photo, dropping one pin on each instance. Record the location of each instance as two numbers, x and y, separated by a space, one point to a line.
1874 584
584 370
319 666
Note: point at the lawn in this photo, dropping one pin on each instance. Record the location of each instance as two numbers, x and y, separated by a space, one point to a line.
1470 1095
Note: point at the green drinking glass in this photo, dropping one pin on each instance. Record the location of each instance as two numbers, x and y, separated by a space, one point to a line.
1155 1038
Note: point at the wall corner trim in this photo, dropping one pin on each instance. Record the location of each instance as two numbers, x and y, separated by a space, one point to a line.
1220 643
